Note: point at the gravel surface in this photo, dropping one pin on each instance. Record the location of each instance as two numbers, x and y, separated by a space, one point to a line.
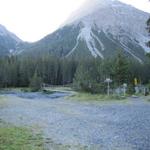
71 125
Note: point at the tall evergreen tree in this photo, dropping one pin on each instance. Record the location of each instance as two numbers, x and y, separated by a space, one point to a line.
84 79
35 83
121 69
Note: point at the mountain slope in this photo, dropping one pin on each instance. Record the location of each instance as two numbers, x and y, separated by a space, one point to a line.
8 41
98 29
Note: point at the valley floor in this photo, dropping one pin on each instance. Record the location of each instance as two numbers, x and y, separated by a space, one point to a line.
74 125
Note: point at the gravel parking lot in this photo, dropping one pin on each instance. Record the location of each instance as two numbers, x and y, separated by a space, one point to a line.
81 125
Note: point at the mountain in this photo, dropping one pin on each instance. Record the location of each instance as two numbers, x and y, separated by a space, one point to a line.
98 29
8 41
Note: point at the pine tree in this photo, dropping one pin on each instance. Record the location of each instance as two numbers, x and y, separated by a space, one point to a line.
35 83
86 76
121 69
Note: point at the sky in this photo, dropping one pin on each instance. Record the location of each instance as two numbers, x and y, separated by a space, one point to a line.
31 20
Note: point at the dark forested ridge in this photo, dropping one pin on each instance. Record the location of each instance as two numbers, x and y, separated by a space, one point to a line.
87 75
18 72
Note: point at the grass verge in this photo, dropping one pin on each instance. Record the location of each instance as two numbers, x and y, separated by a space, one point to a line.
59 88
19 138
3 101
147 98
94 97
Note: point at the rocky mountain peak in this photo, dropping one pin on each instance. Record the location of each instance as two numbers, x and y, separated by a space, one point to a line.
119 21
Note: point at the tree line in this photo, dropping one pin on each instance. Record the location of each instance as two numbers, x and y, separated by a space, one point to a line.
91 75
86 75
18 71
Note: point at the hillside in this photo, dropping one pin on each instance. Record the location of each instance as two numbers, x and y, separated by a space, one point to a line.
99 29
8 41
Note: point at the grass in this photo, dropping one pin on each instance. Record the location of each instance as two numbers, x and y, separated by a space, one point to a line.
12 89
59 88
48 92
3 101
19 138
25 89
94 97
147 98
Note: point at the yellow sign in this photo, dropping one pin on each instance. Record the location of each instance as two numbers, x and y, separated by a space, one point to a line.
135 81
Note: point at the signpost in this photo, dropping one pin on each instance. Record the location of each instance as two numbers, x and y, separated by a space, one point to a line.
108 81
136 86
135 81
124 89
